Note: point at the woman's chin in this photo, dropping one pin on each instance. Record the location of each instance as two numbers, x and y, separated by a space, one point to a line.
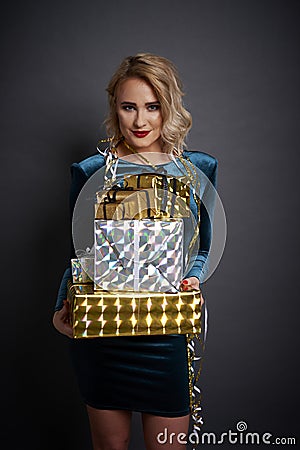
144 144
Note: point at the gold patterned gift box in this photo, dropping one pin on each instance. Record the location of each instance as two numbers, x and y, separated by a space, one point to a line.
145 196
127 204
170 195
178 186
102 313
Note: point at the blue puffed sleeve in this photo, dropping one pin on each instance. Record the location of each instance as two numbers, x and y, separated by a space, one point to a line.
209 166
80 173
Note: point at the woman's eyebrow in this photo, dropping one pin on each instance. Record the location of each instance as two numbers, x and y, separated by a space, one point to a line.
134 104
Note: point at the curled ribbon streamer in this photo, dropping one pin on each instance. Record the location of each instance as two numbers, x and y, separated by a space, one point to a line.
194 375
111 162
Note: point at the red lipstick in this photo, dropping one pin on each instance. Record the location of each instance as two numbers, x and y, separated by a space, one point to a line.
141 134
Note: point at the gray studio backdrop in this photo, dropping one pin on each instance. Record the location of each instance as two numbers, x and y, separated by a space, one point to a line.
239 61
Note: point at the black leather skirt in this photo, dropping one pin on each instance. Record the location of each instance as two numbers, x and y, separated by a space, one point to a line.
138 373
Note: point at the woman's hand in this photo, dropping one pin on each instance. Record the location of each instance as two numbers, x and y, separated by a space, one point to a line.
61 320
190 284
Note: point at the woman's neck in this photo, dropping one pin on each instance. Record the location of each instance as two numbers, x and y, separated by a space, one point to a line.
124 149
146 155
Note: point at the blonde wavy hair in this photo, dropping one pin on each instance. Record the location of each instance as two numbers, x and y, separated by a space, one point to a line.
162 75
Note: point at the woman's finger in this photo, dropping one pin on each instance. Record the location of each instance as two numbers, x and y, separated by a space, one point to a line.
62 321
190 283
201 300
186 284
68 331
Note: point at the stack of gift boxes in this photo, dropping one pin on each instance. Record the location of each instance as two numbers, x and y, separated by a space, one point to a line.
129 283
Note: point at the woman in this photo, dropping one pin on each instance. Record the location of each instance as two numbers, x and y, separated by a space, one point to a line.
118 375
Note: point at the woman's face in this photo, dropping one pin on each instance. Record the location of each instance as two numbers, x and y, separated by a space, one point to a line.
139 115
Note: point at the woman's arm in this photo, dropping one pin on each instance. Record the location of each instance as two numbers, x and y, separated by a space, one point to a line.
209 166
80 173
78 180
61 317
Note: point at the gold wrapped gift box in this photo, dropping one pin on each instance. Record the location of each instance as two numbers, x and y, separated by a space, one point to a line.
145 196
127 204
176 185
102 313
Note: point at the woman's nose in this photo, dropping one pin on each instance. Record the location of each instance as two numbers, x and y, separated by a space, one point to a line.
139 120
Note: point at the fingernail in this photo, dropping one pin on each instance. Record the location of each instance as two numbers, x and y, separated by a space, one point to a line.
185 282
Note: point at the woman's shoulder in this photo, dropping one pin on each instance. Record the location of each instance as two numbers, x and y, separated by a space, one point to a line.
89 165
204 161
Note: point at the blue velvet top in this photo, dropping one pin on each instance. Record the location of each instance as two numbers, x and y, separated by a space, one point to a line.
207 166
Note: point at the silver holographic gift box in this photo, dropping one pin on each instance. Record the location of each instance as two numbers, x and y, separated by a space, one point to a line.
82 269
138 255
